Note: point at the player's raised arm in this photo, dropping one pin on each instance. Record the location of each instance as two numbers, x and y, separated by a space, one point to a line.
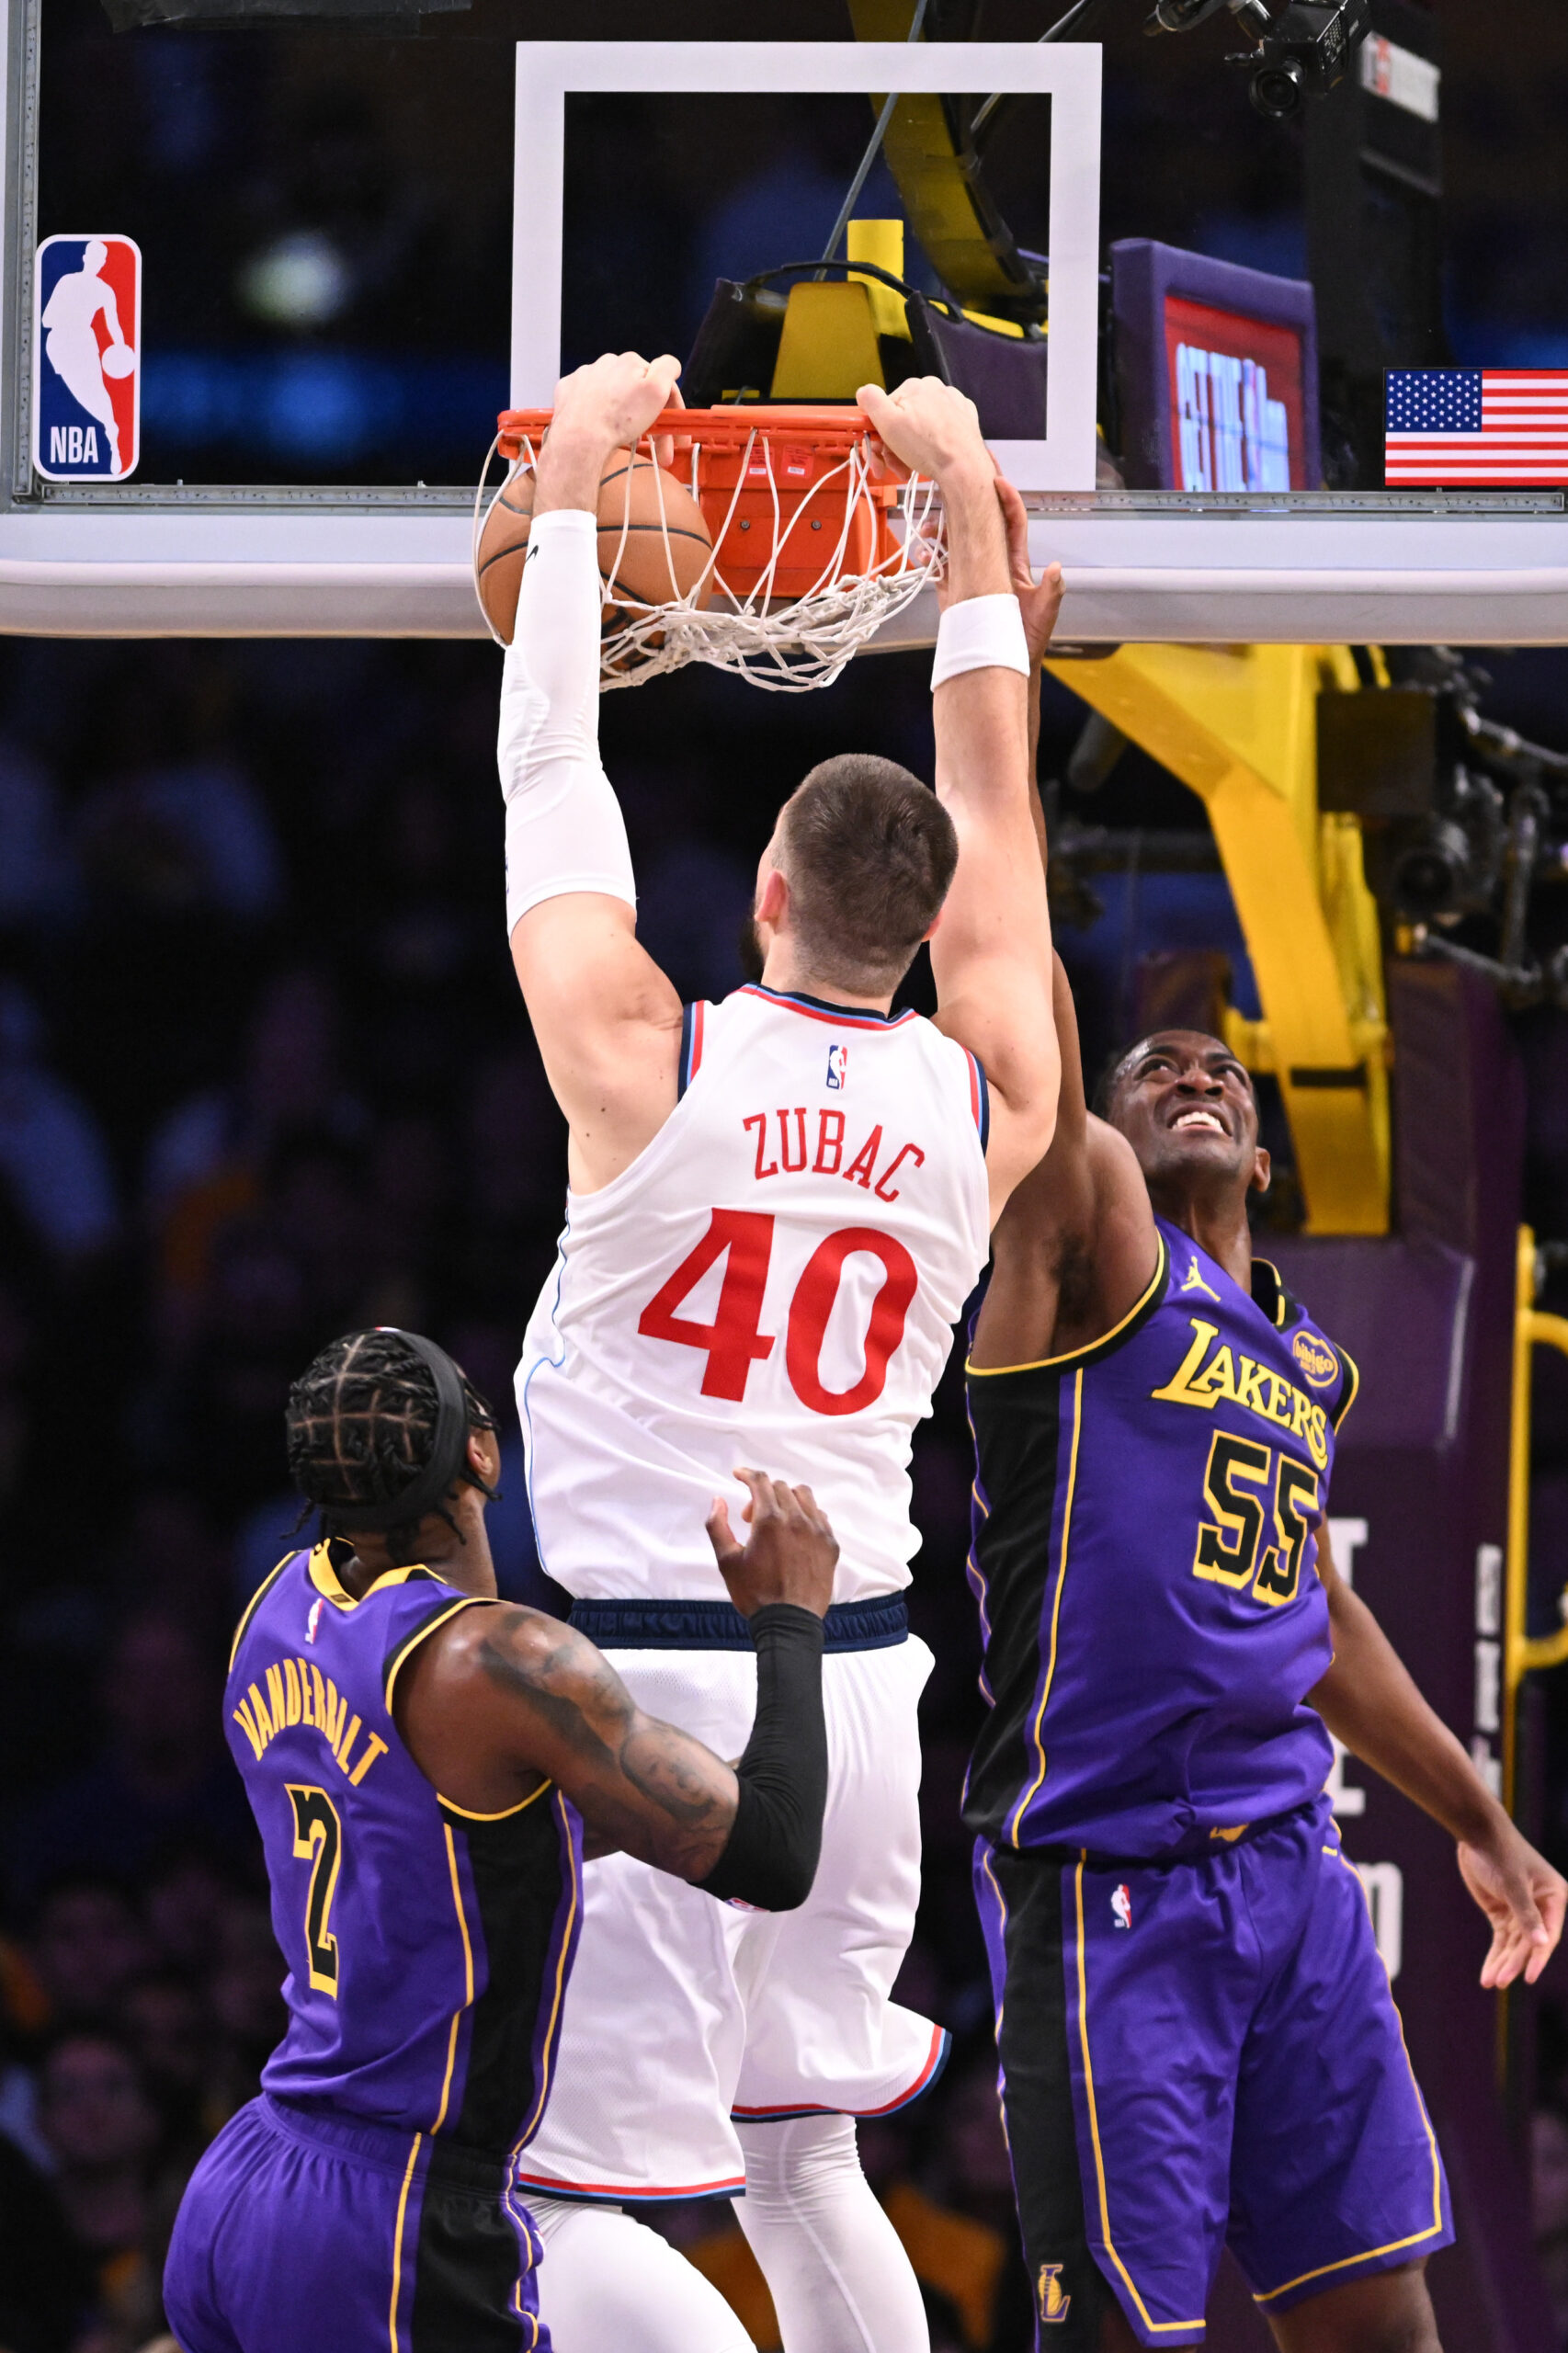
1075 1245
991 951
508 1695
606 1019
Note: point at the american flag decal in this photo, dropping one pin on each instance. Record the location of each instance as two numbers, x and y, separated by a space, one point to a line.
1476 428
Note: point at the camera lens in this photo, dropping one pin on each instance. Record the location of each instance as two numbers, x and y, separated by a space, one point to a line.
1430 868
1277 90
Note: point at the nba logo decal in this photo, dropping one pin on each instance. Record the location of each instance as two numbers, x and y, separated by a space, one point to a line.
313 1622
86 359
1121 1906
837 1066
1053 2304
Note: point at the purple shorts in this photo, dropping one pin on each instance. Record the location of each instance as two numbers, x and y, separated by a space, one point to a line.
1201 2052
310 2233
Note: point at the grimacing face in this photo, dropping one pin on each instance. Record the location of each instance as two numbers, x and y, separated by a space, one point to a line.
1186 1106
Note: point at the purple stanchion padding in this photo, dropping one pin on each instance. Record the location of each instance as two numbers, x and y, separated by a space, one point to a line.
1141 274
1422 1462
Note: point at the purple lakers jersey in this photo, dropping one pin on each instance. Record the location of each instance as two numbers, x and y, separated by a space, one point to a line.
427 1948
1145 1545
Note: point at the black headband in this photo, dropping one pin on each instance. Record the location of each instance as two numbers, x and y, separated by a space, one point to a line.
449 1449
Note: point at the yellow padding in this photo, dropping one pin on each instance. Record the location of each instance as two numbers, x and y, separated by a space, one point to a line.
998 326
881 244
828 348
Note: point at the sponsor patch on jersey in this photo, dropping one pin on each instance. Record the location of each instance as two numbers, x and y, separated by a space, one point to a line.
837 1066
1316 1359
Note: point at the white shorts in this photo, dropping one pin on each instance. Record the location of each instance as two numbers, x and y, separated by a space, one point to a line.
685 2014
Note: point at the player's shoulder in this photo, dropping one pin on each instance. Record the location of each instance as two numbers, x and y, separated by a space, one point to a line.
1325 1365
756 1001
850 1040
298 1562
504 1643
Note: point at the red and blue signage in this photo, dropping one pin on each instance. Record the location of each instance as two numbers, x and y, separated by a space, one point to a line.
87 359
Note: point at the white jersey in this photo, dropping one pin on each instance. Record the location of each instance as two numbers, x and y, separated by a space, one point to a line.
773 1282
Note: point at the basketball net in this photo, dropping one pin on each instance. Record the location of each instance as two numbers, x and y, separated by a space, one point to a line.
881 542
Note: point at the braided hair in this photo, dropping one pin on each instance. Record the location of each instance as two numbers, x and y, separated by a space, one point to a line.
362 1425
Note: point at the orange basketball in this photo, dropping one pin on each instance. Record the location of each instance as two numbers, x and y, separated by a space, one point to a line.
653 544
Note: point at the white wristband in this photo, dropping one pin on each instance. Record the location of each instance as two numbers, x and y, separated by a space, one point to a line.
982 634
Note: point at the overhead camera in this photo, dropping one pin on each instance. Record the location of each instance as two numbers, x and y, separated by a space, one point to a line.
1443 864
1302 52
1306 49
1462 822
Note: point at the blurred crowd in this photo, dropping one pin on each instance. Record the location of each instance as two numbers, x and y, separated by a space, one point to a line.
265 1078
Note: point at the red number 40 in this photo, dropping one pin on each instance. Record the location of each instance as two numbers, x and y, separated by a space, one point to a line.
733 1342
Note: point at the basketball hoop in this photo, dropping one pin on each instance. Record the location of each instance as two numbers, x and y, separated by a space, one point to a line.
817 537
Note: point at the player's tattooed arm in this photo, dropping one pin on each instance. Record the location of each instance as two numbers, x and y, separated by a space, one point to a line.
502 1699
641 1785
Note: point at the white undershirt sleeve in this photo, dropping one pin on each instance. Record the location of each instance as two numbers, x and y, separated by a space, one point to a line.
564 829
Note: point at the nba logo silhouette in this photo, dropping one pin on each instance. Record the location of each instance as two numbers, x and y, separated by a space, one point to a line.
86 359
837 1066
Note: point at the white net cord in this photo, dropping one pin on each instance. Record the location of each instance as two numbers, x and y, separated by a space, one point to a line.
785 640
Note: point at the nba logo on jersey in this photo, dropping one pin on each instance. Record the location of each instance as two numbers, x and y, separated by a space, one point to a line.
86 359
837 1066
1121 1906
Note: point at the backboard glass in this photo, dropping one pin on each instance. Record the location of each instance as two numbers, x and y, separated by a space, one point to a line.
357 246
549 73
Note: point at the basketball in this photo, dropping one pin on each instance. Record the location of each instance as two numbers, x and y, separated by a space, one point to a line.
653 544
118 361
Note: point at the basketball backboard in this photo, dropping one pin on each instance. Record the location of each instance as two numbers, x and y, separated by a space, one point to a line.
356 247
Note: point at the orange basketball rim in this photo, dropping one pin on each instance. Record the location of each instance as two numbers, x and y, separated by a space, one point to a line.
818 533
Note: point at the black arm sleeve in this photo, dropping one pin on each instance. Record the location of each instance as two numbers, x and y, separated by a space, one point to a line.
770 1858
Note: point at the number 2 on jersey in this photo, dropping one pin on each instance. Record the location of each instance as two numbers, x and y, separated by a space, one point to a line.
734 1341
318 1840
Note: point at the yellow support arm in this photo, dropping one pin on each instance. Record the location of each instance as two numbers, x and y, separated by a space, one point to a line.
1238 724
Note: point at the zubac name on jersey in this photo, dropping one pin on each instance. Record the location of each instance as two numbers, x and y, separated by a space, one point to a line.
785 1260
785 1153
1145 1548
